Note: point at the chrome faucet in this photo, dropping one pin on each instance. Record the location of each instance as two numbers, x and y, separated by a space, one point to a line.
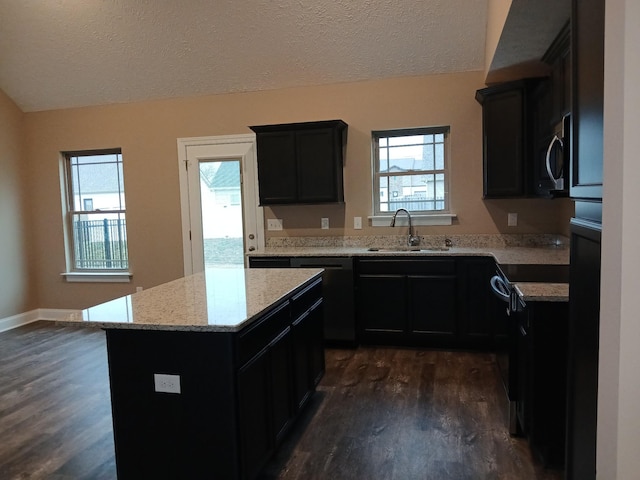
412 239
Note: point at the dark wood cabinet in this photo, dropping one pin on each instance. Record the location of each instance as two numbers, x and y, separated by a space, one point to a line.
409 301
256 442
520 120
550 104
587 50
240 392
558 57
338 292
542 378
584 334
482 320
301 163
505 125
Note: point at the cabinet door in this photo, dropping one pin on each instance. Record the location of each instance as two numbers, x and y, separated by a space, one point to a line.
478 325
584 338
254 415
382 309
432 308
503 144
319 170
316 343
587 44
277 167
281 376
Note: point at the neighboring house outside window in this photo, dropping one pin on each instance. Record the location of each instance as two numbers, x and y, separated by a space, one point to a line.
411 170
96 228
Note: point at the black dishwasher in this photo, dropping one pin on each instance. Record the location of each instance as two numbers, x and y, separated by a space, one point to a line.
337 290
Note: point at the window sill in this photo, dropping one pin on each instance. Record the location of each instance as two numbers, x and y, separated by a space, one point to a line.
98 277
416 220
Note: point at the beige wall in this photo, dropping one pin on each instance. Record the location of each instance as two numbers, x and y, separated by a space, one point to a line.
15 295
147 134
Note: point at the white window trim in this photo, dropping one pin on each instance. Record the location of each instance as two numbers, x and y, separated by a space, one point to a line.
77 276
430 217
98 277
416 219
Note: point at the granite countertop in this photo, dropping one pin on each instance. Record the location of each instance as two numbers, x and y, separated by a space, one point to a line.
218 299
549 254
543 292
544 250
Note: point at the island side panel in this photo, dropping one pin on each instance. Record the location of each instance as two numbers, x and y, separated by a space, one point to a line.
167 435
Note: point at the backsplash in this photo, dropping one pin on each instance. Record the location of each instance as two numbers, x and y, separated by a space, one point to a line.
463 241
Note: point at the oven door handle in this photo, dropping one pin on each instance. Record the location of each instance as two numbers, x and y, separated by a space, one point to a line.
500 288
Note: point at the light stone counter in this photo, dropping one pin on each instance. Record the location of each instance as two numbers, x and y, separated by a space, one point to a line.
219 299
543 292
548 254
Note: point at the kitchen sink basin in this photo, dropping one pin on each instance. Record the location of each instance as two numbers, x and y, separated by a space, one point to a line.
408 249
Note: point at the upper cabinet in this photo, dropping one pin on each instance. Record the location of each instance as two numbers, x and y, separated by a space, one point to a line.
526 126
587 50
301 163
507 138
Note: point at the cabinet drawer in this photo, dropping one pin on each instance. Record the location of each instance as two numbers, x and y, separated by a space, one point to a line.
408 266
269 262
258 336
304 300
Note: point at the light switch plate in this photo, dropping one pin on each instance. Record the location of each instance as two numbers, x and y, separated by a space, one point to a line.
324 223
357 223
512 220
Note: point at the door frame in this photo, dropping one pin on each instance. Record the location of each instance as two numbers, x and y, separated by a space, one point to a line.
242 147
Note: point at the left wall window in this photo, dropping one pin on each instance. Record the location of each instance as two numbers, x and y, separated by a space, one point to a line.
96 226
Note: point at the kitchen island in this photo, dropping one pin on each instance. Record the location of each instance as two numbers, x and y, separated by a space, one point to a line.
209 372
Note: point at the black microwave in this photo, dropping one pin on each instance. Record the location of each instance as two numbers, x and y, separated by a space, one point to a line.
553 160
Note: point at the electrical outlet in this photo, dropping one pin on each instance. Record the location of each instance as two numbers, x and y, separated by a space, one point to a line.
357 223
166 383
324 223
512 220
138 289
274 224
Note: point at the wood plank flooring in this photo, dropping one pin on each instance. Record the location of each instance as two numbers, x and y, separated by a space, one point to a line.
379 413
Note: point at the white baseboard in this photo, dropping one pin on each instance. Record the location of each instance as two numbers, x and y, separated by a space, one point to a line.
33 316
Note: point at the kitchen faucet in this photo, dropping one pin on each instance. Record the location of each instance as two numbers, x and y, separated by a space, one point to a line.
412 239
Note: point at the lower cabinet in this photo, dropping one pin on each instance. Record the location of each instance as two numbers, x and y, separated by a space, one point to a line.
240 392
408 301
434 302
278 380
542 378
483 323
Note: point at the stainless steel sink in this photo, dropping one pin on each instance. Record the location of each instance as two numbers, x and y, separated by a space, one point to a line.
408 249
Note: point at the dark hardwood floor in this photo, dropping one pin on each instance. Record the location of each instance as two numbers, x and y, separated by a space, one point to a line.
379 413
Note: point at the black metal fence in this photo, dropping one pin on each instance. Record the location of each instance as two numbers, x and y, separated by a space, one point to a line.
100 244
415 205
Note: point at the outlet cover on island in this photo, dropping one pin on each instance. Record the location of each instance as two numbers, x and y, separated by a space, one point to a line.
274 224
324 223
165 383
512 220
357 223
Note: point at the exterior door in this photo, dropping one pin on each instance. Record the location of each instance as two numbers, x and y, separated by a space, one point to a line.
221 220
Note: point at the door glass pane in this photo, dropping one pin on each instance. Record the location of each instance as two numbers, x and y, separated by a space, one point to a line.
221 202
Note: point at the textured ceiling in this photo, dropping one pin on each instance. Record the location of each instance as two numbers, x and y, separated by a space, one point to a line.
69 53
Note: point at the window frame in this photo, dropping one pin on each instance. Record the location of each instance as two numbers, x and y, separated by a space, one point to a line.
73 272
377 135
